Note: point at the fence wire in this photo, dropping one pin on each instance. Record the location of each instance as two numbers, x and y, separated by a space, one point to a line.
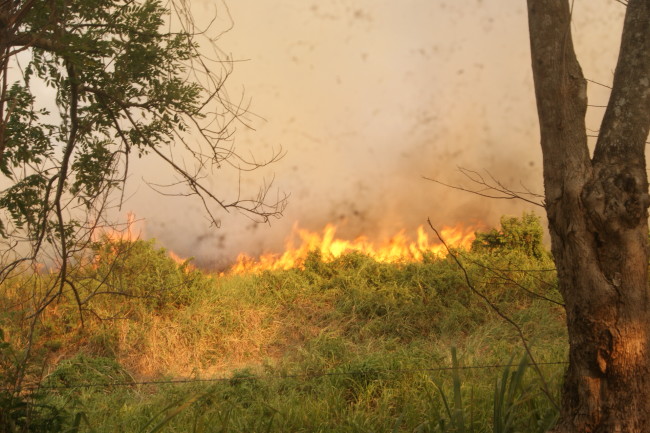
268 378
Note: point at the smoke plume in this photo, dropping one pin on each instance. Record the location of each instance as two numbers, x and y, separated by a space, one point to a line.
369 97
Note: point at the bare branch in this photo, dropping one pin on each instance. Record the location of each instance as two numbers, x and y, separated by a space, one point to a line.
492 188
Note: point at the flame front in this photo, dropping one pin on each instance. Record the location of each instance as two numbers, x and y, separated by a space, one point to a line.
398 249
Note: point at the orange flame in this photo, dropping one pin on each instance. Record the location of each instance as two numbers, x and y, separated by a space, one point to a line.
181 261
130 231
398 249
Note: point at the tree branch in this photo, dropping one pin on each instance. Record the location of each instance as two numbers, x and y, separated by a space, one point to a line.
501 314
492 188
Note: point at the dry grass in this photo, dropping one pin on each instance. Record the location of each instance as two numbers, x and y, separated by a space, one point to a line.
353 315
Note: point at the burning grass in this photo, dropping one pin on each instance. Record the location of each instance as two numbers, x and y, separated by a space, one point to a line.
399 248
347 343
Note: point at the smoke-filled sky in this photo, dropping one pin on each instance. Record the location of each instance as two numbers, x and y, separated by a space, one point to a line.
368 96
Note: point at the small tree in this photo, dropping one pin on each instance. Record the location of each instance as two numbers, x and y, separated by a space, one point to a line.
86 85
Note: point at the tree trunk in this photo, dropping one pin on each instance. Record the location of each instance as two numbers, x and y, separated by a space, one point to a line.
598 219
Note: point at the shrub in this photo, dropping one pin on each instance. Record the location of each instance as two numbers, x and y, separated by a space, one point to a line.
516 234
137 269
91 373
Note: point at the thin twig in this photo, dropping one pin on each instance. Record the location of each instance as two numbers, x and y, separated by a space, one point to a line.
492 188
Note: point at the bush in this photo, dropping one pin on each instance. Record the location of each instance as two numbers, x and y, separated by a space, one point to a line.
138 269
516 234
29 414
87 373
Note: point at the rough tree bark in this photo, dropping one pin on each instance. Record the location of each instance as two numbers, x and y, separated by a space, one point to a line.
598 219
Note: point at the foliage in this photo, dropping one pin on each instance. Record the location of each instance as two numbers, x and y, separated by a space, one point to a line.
86 86
99 373
27 414
513 399
514 405
138 269
349 345
516 234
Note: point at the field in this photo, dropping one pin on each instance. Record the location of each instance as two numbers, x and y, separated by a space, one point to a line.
349 345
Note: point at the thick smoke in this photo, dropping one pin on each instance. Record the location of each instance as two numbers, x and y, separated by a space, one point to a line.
367 97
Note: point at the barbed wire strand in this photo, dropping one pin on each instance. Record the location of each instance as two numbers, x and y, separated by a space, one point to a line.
268 378
500 313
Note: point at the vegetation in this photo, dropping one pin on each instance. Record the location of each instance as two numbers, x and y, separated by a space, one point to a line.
88 86
347 346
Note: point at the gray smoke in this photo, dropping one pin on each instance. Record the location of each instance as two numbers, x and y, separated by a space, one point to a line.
369 96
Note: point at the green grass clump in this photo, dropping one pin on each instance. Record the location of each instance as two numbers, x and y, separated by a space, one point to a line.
350 345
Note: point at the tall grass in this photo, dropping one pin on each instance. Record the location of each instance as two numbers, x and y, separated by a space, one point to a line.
346 346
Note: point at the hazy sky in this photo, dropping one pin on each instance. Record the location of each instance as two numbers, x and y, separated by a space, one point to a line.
368 96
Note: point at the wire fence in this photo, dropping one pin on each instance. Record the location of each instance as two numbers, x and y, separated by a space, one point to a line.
304 376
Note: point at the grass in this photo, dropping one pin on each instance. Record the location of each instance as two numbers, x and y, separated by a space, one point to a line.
346 346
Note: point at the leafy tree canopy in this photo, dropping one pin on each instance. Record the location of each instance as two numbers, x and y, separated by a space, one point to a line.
88 84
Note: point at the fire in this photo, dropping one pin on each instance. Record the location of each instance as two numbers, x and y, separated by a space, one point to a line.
398 249
130 231
181 261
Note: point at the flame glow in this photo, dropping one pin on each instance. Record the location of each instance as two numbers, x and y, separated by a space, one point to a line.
130 231
398 249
